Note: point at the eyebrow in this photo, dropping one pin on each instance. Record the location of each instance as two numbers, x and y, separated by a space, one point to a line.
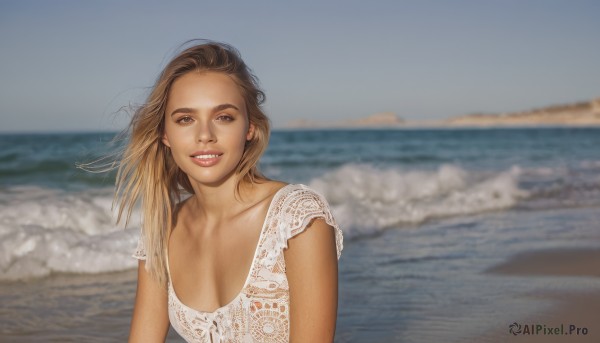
215 109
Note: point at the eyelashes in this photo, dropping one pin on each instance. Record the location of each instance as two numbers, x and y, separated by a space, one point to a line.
187 120
225 117
184 120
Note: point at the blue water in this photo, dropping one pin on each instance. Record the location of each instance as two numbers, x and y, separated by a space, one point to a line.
424 212
49 159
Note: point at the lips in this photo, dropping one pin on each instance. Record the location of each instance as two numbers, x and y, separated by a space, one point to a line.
206 158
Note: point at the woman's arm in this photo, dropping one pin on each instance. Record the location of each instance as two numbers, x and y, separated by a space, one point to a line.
312 273
150 322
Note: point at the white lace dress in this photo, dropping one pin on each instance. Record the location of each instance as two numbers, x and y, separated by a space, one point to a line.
260 312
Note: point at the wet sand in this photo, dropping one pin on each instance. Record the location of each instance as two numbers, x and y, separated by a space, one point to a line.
559 262
574 316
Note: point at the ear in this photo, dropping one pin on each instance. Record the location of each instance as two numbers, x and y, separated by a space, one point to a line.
250 134
165 140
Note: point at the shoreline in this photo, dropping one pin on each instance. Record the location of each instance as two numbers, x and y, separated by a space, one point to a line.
581 309
552 262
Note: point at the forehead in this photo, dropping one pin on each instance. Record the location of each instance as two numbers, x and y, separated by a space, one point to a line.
204 89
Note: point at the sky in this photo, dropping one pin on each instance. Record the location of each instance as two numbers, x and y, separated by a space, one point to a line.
72 65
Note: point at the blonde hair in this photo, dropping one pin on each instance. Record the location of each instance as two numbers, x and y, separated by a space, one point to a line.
147 172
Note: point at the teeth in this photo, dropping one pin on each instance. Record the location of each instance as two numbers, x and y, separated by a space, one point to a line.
206 157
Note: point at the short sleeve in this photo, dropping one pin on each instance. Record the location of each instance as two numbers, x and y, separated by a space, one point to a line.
300 208
140 251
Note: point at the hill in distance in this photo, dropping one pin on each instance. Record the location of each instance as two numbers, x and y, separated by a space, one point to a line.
586 113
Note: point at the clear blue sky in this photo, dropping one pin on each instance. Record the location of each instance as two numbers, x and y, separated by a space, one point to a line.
70 65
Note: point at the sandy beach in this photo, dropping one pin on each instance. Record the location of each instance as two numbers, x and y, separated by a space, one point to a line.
574 316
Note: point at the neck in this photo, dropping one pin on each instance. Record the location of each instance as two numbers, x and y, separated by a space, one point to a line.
215 202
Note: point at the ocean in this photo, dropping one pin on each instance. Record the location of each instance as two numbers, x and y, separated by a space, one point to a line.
425 212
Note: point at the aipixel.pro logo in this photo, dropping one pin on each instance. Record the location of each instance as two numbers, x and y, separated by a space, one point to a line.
542 329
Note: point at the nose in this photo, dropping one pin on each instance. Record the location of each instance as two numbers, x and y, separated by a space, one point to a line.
206 133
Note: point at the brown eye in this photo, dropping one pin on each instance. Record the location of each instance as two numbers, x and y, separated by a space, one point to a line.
225 117
184 120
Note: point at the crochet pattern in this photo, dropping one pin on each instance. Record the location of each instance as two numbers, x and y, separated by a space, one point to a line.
260 312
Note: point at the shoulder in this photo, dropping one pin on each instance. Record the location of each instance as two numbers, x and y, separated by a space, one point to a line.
301 207
302 196
301 204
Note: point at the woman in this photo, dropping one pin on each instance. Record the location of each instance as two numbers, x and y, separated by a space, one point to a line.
228 263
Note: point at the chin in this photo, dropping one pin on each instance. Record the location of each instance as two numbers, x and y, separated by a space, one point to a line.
211 180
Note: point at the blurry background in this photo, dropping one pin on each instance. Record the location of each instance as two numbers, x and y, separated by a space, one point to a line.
426 211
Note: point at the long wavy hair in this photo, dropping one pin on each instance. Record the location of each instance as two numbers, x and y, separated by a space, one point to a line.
147 173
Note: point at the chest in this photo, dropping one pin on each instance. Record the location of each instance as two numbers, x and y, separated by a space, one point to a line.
260 313
209 272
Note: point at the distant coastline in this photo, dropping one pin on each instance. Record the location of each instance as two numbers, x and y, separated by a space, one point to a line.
586 113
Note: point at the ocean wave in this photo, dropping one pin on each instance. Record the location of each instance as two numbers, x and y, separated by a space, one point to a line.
47 230
291 159
366 200
43 231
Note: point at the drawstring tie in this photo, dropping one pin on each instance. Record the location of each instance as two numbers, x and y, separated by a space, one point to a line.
214 330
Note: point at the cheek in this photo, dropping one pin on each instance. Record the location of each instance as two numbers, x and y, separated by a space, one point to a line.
236 136
177 136
239 143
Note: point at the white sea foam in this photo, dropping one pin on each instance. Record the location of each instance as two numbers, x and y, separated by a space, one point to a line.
46 230
589 164
366 200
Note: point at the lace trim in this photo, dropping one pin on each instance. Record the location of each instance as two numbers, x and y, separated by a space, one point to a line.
295 211
140 251
311 205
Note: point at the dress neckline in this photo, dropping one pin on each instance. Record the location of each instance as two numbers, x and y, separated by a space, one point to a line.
250 271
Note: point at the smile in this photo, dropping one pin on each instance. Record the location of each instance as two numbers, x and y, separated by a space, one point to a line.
206 157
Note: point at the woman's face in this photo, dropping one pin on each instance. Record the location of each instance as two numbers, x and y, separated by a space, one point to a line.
206 126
